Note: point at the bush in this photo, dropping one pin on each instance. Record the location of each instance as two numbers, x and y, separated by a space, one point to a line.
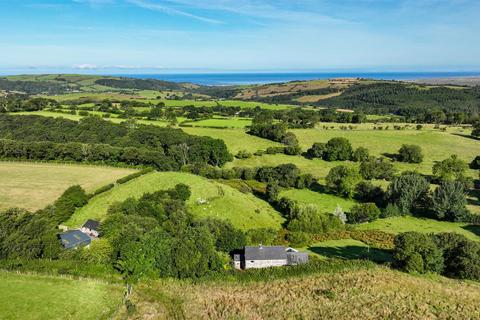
243 154
134 175
450 169
103 189
365 191
377 169
365 212
316 151
390 210
299 239
449 201
342 180
360 154
475 164
409 192
265 236
410 153
338 149
305 181
417 252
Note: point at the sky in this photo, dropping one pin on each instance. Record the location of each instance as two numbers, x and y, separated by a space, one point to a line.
155 36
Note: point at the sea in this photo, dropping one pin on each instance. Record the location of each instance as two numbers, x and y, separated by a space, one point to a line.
225 79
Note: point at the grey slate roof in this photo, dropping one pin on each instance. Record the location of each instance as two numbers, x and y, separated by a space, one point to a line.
74 238
265 253
91 224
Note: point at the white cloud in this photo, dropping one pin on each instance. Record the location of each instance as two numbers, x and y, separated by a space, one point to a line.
85 66
172 11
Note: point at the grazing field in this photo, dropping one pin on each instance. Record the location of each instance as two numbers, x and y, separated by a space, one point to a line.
348 249
33 186
29 297
245 211
326 203
235 139
369 293
436 145
407 223
221 122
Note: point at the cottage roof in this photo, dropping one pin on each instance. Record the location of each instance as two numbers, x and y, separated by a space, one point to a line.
74 238
91 224
265 253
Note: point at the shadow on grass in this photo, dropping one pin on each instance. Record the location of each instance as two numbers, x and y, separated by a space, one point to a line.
354 252
473 229
465 136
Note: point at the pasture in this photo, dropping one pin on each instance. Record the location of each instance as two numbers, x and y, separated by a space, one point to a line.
33 186
326 203
397 225
348 249
219 122
29 297
209 199
355 293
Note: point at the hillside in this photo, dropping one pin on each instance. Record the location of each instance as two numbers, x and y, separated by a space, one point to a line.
209 199
347 294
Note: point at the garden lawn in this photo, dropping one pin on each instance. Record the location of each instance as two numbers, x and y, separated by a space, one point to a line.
33 186
30 297
245 211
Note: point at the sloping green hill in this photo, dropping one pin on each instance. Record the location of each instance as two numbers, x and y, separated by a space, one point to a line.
209 198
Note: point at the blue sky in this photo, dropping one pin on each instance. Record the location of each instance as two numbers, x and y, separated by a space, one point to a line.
129 36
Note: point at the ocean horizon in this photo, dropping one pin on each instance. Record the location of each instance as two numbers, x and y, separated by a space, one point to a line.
225 79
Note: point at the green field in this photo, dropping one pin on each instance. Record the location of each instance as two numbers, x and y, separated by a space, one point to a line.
397 225
235 139
326 203
30 297
221 122
245 211
436 145
348 249
35 185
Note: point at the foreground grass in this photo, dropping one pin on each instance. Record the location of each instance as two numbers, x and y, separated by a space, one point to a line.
245 211
407 223
370 293
35 185
43 297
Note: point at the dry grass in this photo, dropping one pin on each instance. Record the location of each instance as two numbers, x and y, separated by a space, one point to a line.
365 294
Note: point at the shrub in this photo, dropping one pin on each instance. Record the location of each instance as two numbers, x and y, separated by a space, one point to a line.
264 236
365 191
103 189
360 154
449 201
450 169
342 180
417 252
475 164
390 210
243 154
365 212
410 153
377 169
316 151
134 175
409 192
299 239
304 181
338 149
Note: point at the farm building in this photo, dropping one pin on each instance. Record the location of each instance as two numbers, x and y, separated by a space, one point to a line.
74 239
91 227
267 256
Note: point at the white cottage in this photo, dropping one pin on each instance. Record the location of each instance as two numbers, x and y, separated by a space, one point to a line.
268 256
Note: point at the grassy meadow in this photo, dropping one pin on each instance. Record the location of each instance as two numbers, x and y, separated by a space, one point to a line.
397 225
33 186
359 293
348 249
326 203
36 297
245 211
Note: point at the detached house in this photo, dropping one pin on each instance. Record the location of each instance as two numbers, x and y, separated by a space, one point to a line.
91 227
74 239
268 256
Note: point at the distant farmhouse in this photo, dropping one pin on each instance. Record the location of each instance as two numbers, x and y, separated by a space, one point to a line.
266 256
73 239
91 227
